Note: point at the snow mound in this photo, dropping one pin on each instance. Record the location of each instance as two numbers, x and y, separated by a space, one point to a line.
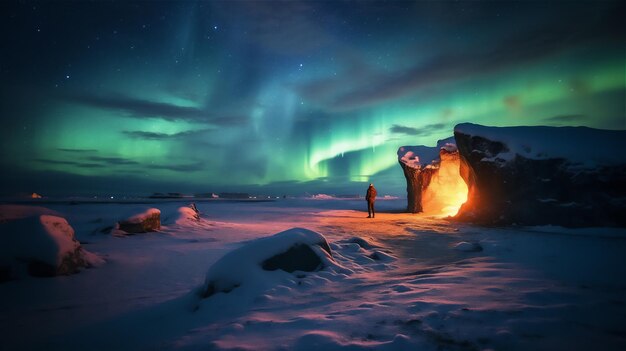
42 246
186 215
267 261
147 221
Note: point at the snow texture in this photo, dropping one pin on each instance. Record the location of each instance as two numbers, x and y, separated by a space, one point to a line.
394 283
468 247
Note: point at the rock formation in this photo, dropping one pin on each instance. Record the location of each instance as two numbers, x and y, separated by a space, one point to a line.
148 221
424 165
417 179
571 176
42 246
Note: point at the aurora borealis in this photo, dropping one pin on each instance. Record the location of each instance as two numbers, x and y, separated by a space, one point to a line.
126 97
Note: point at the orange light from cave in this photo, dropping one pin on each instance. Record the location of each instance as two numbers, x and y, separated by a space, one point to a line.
447 191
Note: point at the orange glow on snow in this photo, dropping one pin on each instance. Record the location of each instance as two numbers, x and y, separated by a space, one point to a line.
447 191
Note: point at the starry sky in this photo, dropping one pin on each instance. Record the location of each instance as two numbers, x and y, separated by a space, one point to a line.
123 97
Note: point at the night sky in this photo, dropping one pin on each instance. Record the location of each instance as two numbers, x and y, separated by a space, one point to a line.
127 97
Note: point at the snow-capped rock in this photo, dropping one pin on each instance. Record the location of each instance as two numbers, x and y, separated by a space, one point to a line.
420 164
421 156
260 262
148 221
511 171
42 245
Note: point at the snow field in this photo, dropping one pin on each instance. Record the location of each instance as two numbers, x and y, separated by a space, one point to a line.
399 282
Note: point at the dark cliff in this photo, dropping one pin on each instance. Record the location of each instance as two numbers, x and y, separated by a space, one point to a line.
570 176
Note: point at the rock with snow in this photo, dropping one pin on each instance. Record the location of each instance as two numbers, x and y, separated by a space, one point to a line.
41 245
148 221
259 262
571 176
420 164
299 257
421 156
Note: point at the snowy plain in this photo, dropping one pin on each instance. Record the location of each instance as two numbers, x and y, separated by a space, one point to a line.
398 282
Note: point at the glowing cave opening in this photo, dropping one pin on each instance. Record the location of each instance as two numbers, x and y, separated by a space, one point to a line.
447 191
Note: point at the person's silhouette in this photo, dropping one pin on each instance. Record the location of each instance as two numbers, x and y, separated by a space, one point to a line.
370 197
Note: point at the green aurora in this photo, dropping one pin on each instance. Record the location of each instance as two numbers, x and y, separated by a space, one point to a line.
195 102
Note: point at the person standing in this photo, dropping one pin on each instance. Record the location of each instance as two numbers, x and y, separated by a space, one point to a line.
370 197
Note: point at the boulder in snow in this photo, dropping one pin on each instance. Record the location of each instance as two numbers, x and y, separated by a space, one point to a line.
299 257
148 221
42 245
260 261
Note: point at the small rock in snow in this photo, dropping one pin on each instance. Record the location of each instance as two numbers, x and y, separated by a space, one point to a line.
148 221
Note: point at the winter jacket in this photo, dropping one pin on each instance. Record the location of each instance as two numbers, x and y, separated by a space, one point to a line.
371 194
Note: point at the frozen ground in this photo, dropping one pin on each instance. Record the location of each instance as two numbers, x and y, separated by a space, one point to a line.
422 284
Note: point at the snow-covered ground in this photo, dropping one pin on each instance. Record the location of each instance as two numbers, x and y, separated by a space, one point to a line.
414 282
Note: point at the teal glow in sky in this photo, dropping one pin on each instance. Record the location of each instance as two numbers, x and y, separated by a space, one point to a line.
285 97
